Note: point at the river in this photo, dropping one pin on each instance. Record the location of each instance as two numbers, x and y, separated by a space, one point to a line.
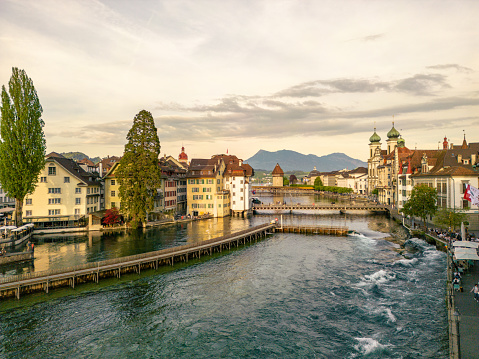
288 296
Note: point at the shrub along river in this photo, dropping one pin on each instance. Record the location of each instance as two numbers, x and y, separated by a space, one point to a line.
375 294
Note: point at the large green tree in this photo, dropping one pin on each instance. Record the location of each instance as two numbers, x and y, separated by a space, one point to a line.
422 203
22 144
138 172
318 183
448 217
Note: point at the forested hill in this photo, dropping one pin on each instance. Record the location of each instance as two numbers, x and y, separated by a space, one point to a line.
77 156
292 161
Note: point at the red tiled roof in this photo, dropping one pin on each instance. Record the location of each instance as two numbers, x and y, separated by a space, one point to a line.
277 170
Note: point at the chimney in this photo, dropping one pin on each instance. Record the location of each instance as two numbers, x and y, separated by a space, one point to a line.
459 158
473 159
452 145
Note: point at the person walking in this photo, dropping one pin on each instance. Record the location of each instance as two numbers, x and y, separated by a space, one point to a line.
475 289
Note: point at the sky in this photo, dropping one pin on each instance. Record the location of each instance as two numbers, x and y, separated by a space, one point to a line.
233 76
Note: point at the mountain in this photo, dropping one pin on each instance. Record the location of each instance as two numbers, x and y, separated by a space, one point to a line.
78 156
295 161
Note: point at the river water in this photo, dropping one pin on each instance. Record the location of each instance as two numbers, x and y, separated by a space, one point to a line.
288 296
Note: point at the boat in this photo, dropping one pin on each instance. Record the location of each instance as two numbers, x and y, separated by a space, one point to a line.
256 200
12 236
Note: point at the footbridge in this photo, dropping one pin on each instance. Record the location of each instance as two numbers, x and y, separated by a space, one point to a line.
339 207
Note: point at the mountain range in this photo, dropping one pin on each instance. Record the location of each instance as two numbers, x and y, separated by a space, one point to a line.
295 161
78 156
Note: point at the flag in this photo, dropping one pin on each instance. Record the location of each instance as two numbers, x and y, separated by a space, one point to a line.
472 195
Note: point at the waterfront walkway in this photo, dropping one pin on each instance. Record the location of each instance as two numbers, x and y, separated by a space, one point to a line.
468 310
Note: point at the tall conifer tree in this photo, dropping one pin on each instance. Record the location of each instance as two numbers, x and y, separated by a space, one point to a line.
138 172
22 143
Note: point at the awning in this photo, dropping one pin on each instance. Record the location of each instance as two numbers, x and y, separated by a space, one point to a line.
7 210
468 256
465 250
465 244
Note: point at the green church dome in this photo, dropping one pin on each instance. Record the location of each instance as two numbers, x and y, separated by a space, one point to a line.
401 142
375 137
393 133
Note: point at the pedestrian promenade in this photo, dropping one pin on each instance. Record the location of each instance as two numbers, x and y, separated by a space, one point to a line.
469 315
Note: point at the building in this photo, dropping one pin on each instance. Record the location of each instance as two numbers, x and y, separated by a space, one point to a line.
355 179
277 176
205 191
6 201
65 192
237 180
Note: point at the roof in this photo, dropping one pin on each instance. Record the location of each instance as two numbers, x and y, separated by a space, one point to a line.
54 154
277 170
393 133
374 137
74 169
202 167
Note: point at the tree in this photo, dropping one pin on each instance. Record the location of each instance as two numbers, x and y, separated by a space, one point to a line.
422 203
447 217
293 179
112 216
318 184
138 172
22 144
285 181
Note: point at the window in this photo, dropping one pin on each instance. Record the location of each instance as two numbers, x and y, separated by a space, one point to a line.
77 211
77 190
28 213
465 203
77 200
234 186
43 179
28 201
54 212
217 181
210 181
113 193
112 182
88 190
234 202
241 189
463 189
195 189
241 182
54 200
54 190
241 198
206 189
52 171
113 204
66 179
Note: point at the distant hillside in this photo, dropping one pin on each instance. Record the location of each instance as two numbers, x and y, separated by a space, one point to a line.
295 161
77 156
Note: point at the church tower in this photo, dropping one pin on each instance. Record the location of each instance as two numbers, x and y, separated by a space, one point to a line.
392 141
373 161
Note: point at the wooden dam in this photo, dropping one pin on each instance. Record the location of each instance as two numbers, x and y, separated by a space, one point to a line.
18 285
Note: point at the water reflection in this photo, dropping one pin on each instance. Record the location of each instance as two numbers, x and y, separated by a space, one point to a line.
54 252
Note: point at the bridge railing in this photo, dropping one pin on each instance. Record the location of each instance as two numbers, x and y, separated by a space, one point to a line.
98 265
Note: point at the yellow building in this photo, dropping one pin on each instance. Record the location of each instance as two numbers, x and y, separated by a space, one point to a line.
205 194
64 190
112 188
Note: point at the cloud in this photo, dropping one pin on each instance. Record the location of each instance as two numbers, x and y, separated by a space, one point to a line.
368 38
420 84
451 66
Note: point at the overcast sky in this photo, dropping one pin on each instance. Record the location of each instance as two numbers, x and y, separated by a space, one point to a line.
310 76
